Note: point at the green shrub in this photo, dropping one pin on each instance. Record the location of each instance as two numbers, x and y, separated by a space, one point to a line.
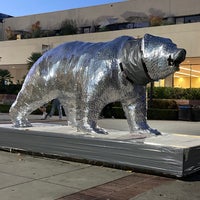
68 27
118 113
159 109
162 104
162 109
174 93
162 114
4 108
196 113
11 89
193 93
113 110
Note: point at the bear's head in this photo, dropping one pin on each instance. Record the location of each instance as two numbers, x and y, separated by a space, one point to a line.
160 56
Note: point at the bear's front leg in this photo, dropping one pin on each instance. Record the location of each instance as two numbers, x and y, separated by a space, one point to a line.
87 117
136 113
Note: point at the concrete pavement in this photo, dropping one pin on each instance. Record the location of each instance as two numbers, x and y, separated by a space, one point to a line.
27 177
32 178
180 127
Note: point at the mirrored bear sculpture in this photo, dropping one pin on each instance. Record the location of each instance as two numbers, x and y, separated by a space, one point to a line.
87 76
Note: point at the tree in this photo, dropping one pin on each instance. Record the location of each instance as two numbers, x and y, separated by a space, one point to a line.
10 34
36 30
33 58
5 77
68 27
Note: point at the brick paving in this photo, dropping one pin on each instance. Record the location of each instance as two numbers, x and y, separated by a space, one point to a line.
120 189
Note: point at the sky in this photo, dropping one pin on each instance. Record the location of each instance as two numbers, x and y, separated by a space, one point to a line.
28 7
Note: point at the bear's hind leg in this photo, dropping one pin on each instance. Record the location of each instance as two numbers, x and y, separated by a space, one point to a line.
18 116
21 109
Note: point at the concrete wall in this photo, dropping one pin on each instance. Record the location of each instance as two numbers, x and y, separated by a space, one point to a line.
1 31
99 14
14 53
184 35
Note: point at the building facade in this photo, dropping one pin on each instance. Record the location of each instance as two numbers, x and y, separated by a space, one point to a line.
178 20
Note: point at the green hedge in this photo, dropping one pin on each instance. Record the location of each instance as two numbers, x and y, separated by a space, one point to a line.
118 113
152 114
162 109
4 108
113 112
175 93
159 109
162 104
162 114
158 92
10 89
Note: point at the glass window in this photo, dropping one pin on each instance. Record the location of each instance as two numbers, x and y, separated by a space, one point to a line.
189 74
180 20
191 19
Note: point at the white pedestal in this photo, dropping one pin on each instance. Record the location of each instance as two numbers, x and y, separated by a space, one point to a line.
169 154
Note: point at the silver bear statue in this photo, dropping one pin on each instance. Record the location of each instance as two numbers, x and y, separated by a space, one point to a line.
88 76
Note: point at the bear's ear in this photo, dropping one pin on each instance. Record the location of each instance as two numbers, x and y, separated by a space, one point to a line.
146 41
149 42
147 37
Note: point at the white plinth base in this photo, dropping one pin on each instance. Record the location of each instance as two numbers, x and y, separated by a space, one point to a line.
170 154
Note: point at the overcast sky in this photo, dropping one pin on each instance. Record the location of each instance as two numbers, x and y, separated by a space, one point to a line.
28 7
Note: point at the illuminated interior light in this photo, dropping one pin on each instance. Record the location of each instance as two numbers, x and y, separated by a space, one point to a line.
190 69
187 74
182 73
194 76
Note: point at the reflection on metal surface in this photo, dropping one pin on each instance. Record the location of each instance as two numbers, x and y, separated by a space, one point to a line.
87 76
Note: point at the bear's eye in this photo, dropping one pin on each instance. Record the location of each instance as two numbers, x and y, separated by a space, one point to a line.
170 61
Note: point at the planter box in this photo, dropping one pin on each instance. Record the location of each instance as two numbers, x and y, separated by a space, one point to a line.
185 112
196 114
